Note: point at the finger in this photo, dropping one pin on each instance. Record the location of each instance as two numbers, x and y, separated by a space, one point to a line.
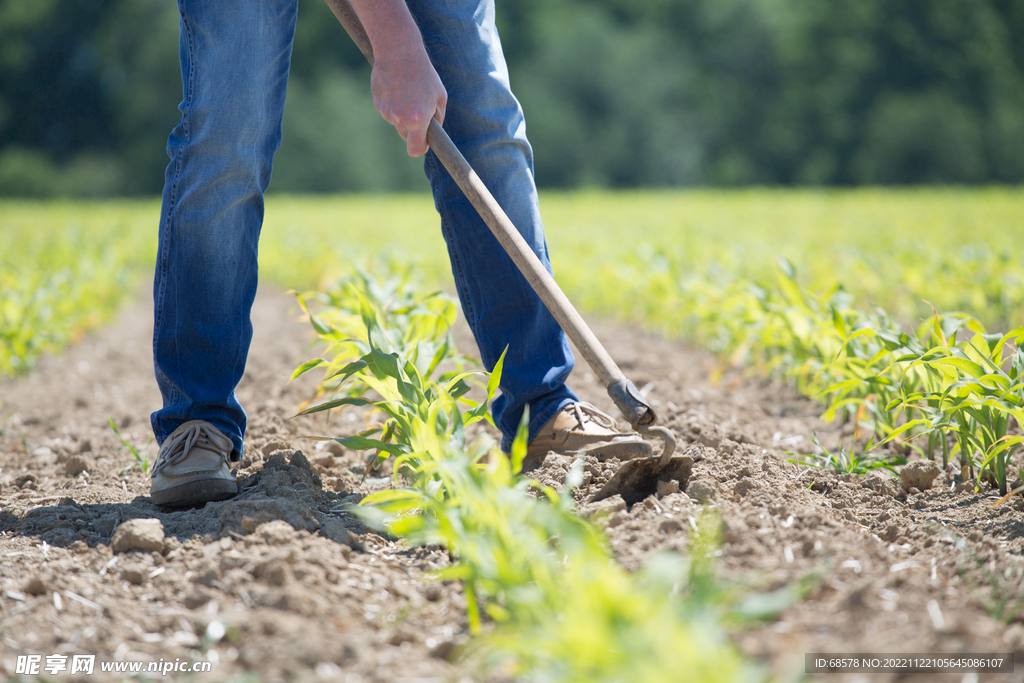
442 104
391 117
416 142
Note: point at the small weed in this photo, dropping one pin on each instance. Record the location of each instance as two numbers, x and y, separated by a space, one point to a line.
847 462
1006 589
140 461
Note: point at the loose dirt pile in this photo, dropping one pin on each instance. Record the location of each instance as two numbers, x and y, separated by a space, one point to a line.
284 582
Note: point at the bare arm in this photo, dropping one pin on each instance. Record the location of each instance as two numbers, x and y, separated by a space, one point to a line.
406 89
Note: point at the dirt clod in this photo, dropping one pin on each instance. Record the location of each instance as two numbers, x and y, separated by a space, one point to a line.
272 447
277 532
335 530
26 481
703 489
276 573
744 486
605 506
667 488
919 475
138 534
881 482
77 464
135 575
197 598
433 592
299 460
35 586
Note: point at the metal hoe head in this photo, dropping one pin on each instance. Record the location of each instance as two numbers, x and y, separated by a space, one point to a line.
639 478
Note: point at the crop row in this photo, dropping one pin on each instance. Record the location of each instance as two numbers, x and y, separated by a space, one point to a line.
961 250
849 330
64 269
948 388
65 266
540 584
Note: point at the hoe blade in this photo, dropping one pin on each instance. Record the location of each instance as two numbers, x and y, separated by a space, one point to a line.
637 479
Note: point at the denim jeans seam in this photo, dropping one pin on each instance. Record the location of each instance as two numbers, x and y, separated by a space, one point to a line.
158 320
185 120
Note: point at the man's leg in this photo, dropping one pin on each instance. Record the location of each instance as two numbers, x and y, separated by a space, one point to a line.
234 66
485 121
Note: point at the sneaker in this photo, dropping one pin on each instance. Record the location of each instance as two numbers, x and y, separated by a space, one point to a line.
582 427
192 467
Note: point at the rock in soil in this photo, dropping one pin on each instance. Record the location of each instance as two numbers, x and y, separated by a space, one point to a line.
138 534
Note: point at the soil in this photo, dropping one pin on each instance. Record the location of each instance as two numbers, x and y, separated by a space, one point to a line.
283 583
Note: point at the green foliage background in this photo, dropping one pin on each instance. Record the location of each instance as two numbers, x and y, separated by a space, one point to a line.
618 93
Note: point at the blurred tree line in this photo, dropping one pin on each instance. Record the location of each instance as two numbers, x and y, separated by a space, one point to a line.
617 93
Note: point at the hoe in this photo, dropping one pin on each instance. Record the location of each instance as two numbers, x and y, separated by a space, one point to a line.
636 478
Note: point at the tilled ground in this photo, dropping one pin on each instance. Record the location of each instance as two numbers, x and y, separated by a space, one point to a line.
283 583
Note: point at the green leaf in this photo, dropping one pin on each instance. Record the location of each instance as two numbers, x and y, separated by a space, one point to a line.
384 364
348 370
912 424
970 367
1017 364
786 267
307 366
495 378
393 495
347 401
320 327
891 338
838 322
459 389
440 355
519 443
361 443
840 387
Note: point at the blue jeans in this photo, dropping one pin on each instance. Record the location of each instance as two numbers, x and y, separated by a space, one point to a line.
234 65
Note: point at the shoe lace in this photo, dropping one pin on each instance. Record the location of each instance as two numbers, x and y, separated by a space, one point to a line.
584 412
178 445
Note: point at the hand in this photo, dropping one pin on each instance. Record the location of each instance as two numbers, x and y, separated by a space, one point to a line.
408 93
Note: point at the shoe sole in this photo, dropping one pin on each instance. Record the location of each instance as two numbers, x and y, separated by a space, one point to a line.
627 450
195 493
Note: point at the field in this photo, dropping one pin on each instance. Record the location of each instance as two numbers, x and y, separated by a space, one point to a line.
765 559
957 249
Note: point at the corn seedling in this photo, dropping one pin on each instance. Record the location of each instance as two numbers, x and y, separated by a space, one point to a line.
558 608
970 396
417 322
65 269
